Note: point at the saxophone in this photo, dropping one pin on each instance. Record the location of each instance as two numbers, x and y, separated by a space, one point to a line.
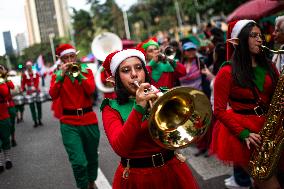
264 160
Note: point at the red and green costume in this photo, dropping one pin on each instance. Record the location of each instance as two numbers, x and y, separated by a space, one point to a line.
5 124
80 132
30 83
233 126
11 107
127 131
164 74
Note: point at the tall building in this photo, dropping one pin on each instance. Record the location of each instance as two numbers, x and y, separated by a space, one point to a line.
8 43
46 18
21 42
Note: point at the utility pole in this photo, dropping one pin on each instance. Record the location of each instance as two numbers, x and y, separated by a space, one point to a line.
198 22
126 26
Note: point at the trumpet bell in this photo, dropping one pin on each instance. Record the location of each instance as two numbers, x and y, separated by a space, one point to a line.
180 117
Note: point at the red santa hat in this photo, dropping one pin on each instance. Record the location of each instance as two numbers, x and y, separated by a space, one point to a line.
145 44
113 60
65 49
234 29
29 63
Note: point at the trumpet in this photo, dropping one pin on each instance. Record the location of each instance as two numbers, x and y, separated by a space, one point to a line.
74 69
280 51
168 55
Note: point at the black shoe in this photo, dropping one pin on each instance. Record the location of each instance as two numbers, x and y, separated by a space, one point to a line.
1 169
13 142
8 164
36 124
18 120
40 123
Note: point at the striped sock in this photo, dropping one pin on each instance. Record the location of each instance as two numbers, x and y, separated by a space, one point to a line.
7 155
1 158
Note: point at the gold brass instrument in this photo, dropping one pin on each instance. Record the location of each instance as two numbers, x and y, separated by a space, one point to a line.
264 160
280 51
102 45
179 117
74 69
168 54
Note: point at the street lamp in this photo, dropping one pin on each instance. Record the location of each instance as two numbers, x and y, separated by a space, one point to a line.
51 37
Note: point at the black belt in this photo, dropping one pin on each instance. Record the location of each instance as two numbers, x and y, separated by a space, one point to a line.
78 112
156 160
258 110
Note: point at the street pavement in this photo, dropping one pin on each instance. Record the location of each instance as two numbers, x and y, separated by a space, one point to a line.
40 160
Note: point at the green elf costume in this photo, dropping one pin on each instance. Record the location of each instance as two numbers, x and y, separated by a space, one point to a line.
162 73
78 122
5 126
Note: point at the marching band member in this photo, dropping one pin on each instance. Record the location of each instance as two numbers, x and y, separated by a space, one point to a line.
5 124
143 164
162 72
278 34
247 85
30 84
12 111
78 122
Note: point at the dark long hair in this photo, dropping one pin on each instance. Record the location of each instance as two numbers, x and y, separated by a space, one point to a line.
220 51
121 92
242 70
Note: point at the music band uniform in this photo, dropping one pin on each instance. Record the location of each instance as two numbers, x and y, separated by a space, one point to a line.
78 122
30 84
144 164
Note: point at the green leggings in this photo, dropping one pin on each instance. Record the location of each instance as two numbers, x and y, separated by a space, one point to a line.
12 112
5 126
36 115
81 144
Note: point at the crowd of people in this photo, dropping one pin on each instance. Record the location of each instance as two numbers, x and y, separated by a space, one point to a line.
234 72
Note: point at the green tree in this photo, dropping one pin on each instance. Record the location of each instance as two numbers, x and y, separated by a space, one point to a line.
83 29
107 16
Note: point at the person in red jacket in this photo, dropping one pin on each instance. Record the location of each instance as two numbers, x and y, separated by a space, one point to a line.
78 121
163 72
144 164
246 84
5 124
30 84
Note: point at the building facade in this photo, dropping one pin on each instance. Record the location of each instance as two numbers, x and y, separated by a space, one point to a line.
21 43
46 18
8 43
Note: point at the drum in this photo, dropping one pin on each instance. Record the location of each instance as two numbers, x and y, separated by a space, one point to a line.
30 98
18 99
40 97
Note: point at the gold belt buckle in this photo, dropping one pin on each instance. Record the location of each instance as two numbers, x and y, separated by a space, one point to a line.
80 112
161 158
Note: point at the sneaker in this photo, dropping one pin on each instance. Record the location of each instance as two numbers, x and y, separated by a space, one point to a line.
8 164
231 184
229 179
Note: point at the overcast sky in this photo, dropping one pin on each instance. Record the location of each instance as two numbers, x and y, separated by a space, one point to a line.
12 16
